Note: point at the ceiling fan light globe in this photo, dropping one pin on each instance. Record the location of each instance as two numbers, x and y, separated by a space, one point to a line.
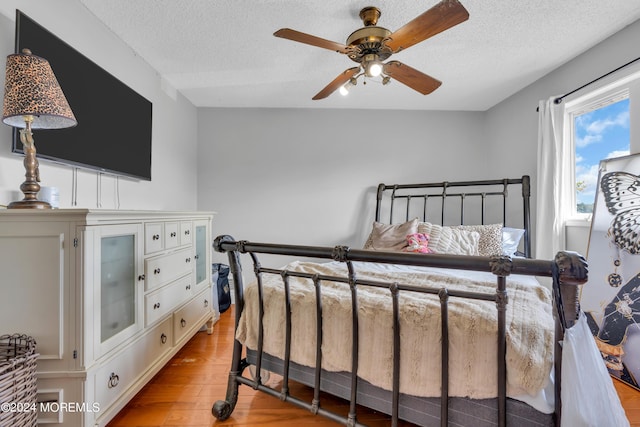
344 90
374 69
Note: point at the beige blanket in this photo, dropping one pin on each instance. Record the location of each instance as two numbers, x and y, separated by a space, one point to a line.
473 326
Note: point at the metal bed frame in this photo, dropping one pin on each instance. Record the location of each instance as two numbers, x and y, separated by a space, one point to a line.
482 191
567 270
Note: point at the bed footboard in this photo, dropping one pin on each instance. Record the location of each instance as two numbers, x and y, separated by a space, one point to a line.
567 270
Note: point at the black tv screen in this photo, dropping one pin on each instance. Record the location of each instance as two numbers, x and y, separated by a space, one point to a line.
113 134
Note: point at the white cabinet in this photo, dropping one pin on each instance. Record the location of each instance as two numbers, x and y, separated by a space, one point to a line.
109 296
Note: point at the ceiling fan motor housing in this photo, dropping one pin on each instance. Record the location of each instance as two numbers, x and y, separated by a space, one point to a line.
369 39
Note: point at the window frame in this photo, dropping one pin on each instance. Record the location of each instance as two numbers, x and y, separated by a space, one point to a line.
606 91
583 105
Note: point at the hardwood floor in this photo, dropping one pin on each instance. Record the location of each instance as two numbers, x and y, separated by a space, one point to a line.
182 393
630 399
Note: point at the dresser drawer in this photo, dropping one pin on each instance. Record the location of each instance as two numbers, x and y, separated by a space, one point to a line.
153 237
188 317
186 232
161 302
165 268
120 372
171 235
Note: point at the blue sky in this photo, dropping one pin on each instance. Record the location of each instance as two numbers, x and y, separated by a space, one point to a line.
600 134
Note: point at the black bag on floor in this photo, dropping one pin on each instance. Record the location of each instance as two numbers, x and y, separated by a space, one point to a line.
224 294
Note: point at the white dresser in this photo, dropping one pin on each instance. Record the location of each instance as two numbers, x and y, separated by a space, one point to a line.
109 296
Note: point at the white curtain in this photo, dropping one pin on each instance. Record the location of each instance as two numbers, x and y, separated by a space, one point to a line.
552 192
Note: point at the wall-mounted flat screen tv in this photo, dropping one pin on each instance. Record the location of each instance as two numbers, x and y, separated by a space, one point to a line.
113 134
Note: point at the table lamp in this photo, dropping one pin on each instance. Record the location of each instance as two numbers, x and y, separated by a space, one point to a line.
33 99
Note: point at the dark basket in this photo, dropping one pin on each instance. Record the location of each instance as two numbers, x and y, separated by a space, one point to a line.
18 404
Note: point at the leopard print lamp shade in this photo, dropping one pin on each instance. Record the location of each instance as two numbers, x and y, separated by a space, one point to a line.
31 89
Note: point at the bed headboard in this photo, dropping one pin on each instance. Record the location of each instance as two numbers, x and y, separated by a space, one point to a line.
461 202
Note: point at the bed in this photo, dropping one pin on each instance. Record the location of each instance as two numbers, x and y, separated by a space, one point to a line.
439 320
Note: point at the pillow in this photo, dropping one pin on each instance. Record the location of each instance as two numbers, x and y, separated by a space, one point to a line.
490 242
390 237
447 240
418 242
511 240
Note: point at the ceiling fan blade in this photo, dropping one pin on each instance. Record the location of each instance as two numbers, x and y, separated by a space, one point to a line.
440 17
336 83
411 77
297 36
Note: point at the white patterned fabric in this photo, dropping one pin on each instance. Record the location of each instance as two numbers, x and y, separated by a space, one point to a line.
490 242
448 240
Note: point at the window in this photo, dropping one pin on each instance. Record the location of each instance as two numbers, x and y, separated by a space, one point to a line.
600 131
575 134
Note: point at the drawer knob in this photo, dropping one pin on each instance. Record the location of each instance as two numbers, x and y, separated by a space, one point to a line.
156 305
197 257
183 323
188 260
173 234
113 380
156 271
155 237
188 287
206 303
141 277
163 338
187 232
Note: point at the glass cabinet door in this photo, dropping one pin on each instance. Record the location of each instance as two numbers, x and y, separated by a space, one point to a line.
202 269
116 281
117 285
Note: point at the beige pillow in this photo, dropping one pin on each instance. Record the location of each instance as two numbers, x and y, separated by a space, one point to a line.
448 240
390 237
490 242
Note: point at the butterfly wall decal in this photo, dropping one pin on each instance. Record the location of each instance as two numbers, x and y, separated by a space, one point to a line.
621 192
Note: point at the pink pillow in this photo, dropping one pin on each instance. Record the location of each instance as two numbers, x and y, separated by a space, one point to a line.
418 242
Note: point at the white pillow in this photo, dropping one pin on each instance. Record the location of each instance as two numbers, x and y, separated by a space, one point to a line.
448 240
511 240
490 242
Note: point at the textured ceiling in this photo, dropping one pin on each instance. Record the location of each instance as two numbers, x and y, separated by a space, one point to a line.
222 53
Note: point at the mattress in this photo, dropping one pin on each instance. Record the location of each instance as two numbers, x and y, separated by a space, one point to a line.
424 411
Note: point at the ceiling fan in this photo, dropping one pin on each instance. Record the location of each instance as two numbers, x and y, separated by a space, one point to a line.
370 45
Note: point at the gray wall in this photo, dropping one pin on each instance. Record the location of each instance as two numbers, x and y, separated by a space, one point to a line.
174 133
309 176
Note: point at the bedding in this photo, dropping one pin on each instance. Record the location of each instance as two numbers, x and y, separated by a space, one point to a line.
490 237
449 240
482 240
530 328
